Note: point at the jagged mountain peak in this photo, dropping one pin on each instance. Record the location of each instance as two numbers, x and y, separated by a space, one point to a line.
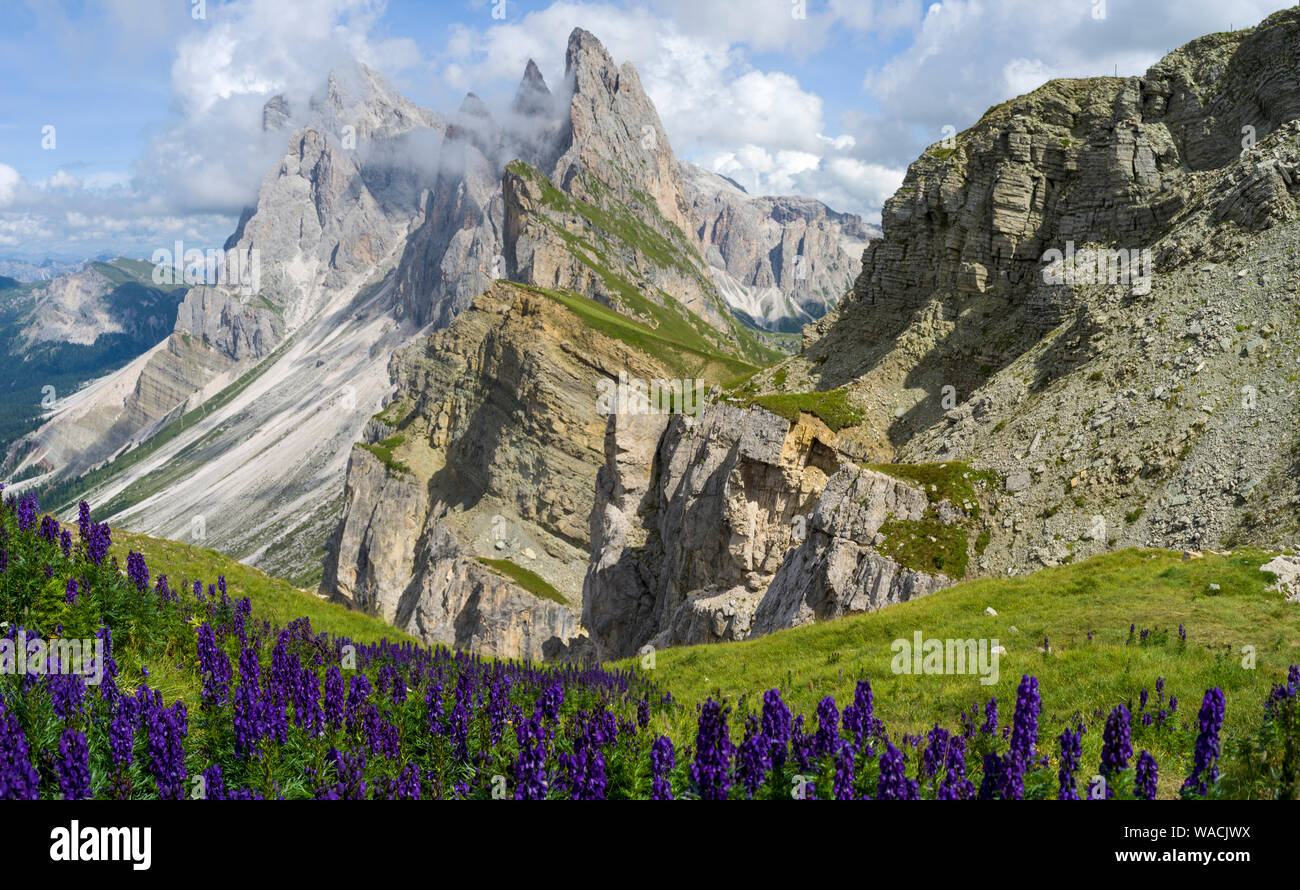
533 97
473 124
358 100
585 51
614 131
779 261
473 106
276 113
402 229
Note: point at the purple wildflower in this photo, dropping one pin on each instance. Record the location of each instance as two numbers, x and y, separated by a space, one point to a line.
1205 770
1145 785
990 725
27 509
711 769
662 761
18 779
753 759
214 667
531 780
826 739
137 571
776 727
1071 756
893 783
955 785
1115 747
73 765
843 785
101 537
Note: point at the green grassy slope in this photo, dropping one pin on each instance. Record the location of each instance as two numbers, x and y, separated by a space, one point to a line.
612 231
529 581
273 599
1154 590
687 356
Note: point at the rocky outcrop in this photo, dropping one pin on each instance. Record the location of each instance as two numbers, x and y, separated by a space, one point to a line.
743 523
456 252
494 436
837 568
372 559
418 578
461 603
236 330
954 291
779 262
343 197
98 299
691 525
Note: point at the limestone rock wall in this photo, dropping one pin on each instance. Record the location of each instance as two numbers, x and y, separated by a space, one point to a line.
736 525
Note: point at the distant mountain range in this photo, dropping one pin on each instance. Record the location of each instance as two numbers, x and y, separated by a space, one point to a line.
24 270
57 334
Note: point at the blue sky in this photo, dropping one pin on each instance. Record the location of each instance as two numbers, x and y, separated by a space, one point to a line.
154 103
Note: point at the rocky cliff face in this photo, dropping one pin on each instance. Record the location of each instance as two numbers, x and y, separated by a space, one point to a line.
1100 393
779 262
843 565
463 604
212 335
492 439
455 253
742 523
236 330
1115 396
425 583
344 196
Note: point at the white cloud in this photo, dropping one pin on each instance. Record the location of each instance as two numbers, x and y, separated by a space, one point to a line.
10 180
841 181
873 15
262 47
20 229
63 180
213 157
968 55
106 180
